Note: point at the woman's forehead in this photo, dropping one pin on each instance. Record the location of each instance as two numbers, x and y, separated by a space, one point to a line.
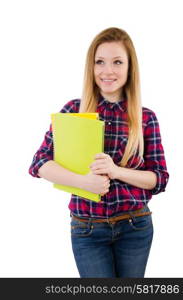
111 50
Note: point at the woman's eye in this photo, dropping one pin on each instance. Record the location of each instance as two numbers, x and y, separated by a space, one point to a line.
118 62
99 61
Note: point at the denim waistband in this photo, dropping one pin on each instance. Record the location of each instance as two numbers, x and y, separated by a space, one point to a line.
130 212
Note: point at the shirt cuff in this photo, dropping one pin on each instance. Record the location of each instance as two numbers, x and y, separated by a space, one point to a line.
34 169
161 183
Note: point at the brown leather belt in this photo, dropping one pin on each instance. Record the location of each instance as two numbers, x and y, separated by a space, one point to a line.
125 216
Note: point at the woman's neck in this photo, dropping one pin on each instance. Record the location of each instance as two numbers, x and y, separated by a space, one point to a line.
112 98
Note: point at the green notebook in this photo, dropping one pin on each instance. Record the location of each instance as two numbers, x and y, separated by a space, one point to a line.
77 138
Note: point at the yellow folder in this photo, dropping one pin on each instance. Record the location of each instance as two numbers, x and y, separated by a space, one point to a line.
77 138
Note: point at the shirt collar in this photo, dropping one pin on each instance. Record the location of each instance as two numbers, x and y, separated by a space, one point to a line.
121 104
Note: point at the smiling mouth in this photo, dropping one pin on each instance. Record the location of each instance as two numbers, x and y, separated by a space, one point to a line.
108 80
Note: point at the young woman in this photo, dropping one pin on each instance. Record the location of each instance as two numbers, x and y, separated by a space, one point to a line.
112 238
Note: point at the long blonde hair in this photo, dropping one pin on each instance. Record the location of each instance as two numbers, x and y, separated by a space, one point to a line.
131 89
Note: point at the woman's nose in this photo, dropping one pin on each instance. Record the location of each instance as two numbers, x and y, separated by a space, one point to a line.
108 68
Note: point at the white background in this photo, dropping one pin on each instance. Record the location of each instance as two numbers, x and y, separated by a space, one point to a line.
42 56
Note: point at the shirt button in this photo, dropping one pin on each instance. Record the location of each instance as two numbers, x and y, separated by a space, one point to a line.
109 123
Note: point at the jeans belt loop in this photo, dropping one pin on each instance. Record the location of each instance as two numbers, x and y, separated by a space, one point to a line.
110 222
132 216
89 222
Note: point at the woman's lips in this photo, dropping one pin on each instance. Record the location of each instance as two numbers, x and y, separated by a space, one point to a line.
108 81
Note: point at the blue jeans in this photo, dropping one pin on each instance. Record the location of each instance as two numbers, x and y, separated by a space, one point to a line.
112 250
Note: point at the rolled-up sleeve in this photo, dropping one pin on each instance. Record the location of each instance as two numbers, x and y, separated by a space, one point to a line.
154 154
44 154
45 151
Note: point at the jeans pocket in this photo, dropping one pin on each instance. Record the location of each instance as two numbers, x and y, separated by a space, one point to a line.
141 223
81 229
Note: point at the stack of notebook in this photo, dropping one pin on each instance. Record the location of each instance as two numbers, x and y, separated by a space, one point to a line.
77 138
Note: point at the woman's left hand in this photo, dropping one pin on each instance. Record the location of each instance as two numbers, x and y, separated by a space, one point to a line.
103 164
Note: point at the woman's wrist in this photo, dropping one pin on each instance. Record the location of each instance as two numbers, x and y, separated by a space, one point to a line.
116 172
79 181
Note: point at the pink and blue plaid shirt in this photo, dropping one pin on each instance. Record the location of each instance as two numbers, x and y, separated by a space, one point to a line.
122 196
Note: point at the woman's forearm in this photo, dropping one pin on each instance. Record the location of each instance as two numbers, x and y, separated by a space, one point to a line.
55 173
142 179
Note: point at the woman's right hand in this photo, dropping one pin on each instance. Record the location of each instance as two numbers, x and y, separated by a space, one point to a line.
98 184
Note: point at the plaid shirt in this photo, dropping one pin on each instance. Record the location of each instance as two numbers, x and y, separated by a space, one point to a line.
121 196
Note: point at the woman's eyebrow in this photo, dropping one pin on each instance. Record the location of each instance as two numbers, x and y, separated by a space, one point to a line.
113 57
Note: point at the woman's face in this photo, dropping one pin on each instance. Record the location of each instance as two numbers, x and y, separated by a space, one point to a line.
111 69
